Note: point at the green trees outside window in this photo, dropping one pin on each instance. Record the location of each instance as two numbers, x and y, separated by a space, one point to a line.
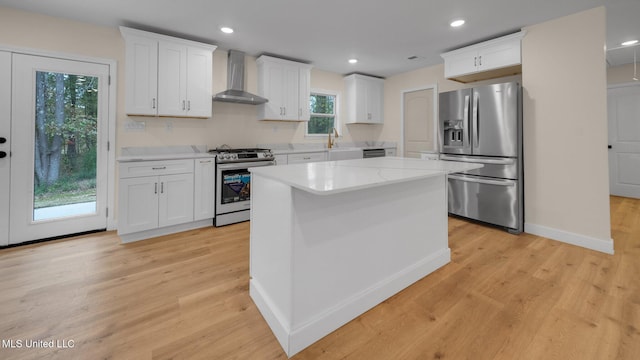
323 114
65 138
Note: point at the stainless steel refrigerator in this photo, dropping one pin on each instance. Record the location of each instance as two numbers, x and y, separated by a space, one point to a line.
484 125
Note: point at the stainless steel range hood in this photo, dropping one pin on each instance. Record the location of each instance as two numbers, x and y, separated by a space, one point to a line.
235 83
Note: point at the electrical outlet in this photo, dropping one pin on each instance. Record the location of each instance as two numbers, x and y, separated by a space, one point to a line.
134 126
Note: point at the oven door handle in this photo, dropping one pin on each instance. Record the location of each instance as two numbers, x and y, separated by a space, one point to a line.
245 165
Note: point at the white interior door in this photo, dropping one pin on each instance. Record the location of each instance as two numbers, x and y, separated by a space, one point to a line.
59 132
419 120
624 141
5 145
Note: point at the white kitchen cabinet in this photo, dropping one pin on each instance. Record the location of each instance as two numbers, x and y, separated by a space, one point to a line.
175 199
286 85
204 189
364 99
490 59
141 63
301 158
167 76
137 204
154 194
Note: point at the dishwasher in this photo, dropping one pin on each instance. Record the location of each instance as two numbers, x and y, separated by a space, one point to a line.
372 153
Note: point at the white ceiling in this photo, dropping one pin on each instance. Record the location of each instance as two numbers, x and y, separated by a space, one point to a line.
381 34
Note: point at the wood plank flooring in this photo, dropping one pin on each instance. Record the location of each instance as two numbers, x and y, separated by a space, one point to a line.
185 296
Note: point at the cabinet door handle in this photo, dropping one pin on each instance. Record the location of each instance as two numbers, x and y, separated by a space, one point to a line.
480 60
475 61
155 191
284 111
159 168
205 161
188 105
153 103
162 188
183 104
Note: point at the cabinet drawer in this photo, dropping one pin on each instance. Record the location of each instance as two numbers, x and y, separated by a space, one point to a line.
306 157
149 168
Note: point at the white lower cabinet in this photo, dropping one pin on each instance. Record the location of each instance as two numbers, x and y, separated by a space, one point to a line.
301 158
175 199
204 189
155 194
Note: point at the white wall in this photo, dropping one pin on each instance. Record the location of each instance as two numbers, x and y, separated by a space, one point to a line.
622 74
565 127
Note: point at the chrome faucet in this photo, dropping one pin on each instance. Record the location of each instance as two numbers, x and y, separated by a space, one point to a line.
331 142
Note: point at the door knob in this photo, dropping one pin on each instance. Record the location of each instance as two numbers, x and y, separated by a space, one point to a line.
608 146
3 154
3 140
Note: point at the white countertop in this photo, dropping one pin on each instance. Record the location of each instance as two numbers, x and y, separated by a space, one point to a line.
331 177
163 153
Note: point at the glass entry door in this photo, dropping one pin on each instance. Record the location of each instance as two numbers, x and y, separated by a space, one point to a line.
59 156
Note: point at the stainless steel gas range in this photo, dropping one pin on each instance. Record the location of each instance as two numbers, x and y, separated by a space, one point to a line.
233 182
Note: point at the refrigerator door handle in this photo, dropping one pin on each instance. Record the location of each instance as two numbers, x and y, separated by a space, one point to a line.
509 161
466 135
483 181
476 129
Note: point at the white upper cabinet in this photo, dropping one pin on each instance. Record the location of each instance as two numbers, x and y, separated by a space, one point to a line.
286 85
490 59
167 76
364 99
141 61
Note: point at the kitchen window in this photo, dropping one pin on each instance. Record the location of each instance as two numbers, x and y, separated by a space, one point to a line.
323 108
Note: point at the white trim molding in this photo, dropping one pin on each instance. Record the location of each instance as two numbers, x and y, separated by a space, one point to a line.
605 246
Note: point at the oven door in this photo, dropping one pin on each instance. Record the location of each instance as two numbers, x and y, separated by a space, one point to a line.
233 186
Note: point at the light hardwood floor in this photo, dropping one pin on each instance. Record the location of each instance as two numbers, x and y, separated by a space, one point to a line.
185 296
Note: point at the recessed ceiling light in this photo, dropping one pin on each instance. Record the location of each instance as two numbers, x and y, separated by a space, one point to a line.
353 61
456 23
226 30
630 42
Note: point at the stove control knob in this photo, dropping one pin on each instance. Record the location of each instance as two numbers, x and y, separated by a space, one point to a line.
225 156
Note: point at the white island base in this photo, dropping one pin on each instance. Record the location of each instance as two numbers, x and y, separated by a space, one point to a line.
321 258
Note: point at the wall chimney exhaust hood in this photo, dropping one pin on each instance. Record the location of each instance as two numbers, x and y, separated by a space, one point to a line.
235 83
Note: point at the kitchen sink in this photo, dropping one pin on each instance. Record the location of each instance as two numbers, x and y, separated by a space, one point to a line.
344 153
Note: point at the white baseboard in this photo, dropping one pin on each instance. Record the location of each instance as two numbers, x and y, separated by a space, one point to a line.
605 246
142 235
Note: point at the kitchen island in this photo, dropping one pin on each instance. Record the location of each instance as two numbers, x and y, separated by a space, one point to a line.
331 240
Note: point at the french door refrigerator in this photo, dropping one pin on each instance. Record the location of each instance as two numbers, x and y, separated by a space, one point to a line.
484 125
